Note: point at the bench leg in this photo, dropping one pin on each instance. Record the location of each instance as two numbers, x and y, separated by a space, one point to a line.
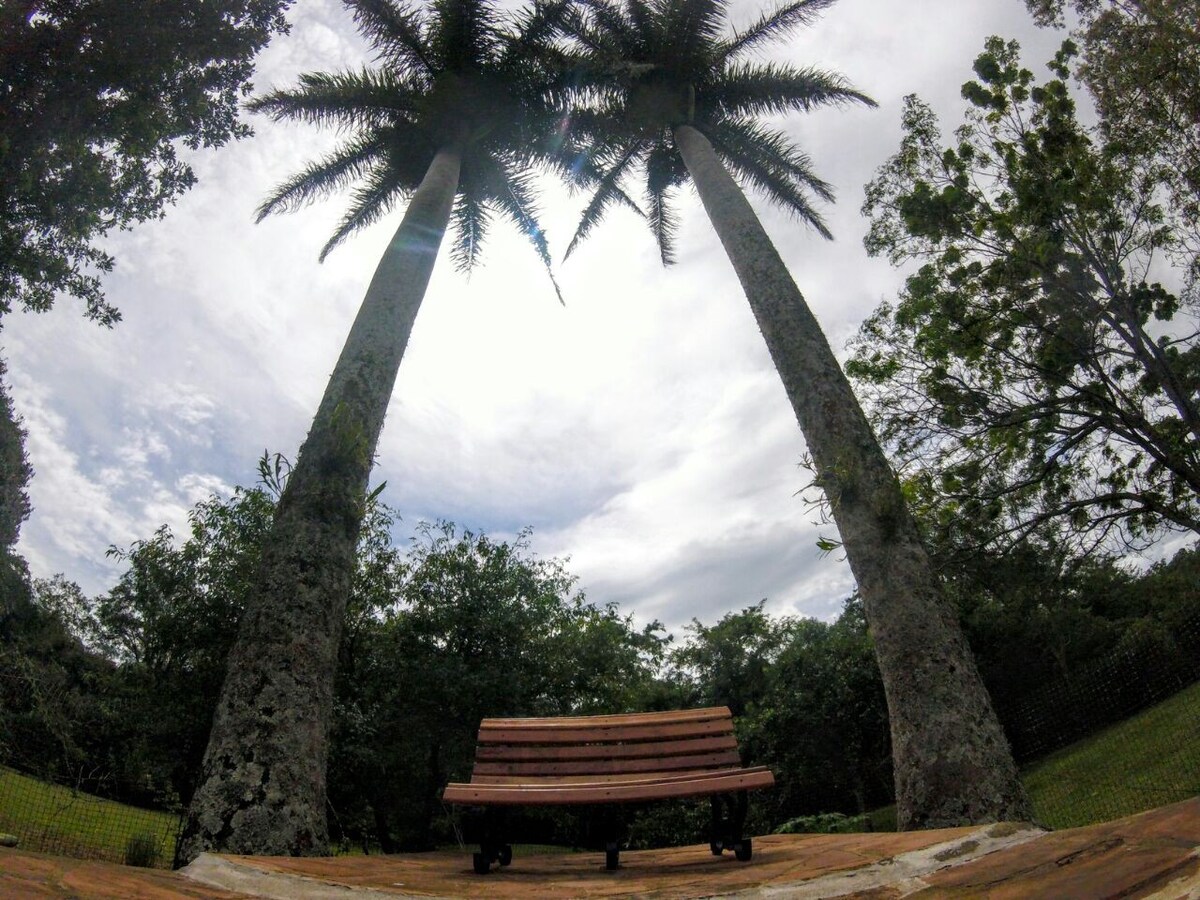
612 829
728 822
492 847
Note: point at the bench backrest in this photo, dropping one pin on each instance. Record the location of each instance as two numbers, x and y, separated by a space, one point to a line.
679 743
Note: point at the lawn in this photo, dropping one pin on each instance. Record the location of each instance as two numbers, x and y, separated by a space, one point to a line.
1149 760
51 819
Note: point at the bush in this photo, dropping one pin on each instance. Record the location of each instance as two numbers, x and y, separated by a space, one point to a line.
825 823
143 850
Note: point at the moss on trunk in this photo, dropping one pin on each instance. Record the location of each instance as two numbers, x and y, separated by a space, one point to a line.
952 762
262 787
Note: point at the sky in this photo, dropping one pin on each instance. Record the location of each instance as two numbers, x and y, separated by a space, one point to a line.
640 429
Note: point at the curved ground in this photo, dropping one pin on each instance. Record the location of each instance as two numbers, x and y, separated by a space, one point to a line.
1152 855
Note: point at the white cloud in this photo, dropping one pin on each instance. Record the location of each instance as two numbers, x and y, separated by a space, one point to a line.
641 429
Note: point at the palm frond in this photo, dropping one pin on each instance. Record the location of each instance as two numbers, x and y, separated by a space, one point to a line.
370 201
773 165
692 28
397 32
514 196
463 34
325 176
470 220
663 172
534 29
613 31
747 89
772 25
364 99
608 191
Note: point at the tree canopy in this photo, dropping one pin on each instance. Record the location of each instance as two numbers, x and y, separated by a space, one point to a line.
99 97
1141 64
1034 370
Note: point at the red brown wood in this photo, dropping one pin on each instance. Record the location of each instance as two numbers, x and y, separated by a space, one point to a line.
606 759
669 716
615 734
607 766
520 752
607 792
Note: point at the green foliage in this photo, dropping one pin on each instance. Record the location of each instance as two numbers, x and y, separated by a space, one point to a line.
144 850
1140 64
808 700
98 97
468 627
1031 379
825 823
15 471
646 68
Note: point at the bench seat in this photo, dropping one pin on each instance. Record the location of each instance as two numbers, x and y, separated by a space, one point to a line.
605 760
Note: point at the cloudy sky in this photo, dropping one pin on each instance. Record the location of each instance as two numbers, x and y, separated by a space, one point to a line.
640 430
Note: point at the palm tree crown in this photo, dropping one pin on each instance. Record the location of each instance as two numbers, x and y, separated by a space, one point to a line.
650 66
452 73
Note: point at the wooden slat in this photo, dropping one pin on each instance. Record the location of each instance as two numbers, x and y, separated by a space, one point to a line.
617 734
534 770
529 753
564 780
629 791
660 718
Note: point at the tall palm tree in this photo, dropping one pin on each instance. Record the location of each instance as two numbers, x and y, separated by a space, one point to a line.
667 94
451 120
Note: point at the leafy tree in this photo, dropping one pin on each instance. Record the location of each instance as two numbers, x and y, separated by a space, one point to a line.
98 96
823 727
478 628
668 94
15 471
53 715
1141 63
169 622
729 663
451 121
1032 373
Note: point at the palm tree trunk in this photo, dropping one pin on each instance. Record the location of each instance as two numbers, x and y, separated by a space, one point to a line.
262 786
953 765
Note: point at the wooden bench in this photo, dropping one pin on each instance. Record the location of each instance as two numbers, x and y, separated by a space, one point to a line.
605 760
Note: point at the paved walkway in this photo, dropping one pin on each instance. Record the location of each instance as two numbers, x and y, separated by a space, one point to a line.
1154 855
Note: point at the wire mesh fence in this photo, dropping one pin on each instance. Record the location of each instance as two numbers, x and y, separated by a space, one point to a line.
1120 735
52 818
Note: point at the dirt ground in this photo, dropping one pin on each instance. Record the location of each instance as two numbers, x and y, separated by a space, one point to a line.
1152 855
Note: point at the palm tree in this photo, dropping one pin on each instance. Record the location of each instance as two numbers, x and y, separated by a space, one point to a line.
451 119
666 93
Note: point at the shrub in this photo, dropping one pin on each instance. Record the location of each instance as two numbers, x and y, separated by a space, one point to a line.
142 850
825 823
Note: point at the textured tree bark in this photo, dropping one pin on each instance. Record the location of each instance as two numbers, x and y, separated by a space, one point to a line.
953 765
262 786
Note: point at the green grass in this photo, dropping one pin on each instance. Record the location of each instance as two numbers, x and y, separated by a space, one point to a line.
51 819
1149 760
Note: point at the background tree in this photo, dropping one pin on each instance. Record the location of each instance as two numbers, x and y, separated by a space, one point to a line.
1032 371
668 93
1141 63
451 121
15 473
98 95
478 628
